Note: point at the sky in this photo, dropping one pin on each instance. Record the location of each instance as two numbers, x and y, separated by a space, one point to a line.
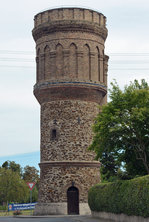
127 45
31 159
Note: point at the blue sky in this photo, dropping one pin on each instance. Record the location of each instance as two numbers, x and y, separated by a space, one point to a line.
127 45
24 159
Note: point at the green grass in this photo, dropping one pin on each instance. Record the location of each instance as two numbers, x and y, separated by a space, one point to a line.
10 213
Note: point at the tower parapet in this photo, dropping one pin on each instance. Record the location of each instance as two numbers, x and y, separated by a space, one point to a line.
71 82
73 17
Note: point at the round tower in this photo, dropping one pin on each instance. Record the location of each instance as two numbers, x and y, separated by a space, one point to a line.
71 82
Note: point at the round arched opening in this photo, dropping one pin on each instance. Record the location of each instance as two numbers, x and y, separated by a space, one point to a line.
73 200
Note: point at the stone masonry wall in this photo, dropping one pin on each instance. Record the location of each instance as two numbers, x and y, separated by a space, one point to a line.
55 182
73 122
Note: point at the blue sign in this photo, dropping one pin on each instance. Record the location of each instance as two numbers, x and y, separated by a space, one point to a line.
27 206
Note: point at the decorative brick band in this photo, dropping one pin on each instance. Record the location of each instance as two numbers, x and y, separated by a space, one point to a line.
70 164
70 92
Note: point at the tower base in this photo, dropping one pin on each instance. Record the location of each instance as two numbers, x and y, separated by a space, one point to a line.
59 209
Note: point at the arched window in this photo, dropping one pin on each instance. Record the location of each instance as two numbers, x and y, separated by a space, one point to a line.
73 60
38 65
47 62
59 61
98 62
87 65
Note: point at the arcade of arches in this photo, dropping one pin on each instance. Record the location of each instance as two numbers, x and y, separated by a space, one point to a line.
76 64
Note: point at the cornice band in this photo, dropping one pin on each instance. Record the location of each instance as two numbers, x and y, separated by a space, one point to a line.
69 164
69 25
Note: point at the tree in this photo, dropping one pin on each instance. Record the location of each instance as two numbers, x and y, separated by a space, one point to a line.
122 129
13 166
12 187
109 167
30 174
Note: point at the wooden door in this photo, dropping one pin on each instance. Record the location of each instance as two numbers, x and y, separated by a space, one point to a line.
73 200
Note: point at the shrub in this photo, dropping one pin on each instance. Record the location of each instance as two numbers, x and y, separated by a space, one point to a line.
3 207
17 212
130 197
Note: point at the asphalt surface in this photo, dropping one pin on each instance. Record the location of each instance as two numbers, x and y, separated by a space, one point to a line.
53 219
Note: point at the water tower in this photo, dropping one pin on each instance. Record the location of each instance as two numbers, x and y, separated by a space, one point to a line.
71 82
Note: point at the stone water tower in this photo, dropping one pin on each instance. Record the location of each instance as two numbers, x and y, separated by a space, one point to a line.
71 82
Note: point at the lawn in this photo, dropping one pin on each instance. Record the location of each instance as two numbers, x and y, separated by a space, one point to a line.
10 213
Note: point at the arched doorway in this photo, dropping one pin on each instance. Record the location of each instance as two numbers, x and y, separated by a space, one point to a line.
73 200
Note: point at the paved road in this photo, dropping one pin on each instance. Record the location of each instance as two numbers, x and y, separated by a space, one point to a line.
53 219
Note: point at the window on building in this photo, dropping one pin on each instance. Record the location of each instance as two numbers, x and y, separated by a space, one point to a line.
53 134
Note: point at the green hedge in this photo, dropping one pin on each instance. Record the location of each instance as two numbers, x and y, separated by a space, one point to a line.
130 197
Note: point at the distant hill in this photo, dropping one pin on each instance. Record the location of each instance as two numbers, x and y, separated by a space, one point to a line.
31 159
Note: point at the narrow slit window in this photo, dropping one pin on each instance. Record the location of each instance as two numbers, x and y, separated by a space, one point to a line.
54 134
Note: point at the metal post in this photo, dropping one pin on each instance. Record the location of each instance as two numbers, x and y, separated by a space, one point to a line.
30 196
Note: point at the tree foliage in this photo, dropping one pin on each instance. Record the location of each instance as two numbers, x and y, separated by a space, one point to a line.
12 187
12 166
122 130
30 174
13 183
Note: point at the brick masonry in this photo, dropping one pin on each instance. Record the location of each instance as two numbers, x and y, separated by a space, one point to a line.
71 82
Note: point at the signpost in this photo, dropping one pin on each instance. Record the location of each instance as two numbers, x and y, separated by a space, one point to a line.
26 206
31 186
